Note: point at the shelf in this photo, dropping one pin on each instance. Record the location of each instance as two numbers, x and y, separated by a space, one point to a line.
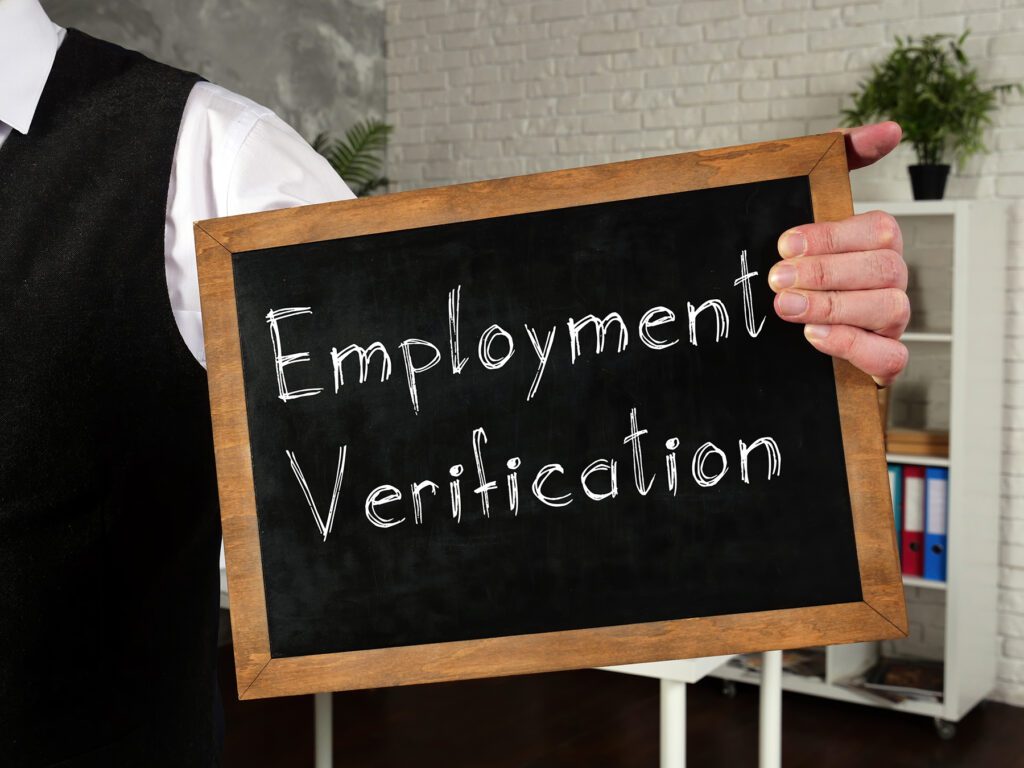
924 336
815 686
921 461
917 581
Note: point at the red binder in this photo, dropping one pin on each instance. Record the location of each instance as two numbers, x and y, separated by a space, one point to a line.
913 520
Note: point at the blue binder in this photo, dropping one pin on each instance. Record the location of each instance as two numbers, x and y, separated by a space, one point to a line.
936 495
896 491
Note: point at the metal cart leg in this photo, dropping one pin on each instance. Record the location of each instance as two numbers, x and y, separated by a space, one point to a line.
322 706
673 724
770 735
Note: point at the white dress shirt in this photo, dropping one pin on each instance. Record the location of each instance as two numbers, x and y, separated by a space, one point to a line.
232 156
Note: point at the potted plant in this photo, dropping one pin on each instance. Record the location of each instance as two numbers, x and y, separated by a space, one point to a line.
929 87
356 157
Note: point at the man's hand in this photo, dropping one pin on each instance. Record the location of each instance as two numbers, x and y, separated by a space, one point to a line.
846 280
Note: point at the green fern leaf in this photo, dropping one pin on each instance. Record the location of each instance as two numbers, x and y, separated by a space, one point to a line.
357 156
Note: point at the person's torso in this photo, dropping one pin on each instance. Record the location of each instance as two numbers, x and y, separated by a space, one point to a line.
108 526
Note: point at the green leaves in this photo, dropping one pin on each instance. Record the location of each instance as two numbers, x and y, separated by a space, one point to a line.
357 156
929 87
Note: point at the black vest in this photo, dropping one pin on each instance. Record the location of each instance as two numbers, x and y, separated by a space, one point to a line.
108 520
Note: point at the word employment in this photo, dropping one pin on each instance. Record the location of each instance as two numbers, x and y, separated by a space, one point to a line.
497 345
598 480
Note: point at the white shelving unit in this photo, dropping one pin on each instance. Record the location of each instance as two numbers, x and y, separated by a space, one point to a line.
960 326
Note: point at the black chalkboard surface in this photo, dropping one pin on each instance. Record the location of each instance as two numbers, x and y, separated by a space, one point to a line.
539 423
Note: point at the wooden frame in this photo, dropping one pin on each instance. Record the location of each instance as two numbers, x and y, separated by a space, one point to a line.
881 613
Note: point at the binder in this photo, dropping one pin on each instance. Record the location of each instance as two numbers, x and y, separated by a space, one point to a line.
936 496
896 491
913 520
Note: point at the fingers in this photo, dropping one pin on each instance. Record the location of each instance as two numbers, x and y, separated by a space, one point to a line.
880 357
846 280
845 271
868 143
865 232
885 311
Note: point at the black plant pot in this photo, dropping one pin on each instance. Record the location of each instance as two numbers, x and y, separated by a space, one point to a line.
928 181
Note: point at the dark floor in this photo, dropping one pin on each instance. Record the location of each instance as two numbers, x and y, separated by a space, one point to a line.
591 718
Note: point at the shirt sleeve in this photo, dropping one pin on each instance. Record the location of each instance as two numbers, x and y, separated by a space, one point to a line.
232 156
277 168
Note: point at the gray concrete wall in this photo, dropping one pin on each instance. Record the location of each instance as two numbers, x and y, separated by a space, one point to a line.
318 63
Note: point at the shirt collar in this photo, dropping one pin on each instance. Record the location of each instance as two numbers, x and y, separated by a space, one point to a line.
28 45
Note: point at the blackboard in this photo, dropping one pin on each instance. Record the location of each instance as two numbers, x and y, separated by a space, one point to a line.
545 423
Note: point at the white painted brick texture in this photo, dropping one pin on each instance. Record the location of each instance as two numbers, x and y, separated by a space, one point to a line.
486 88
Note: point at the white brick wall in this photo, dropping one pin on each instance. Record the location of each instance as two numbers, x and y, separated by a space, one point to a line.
486 88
